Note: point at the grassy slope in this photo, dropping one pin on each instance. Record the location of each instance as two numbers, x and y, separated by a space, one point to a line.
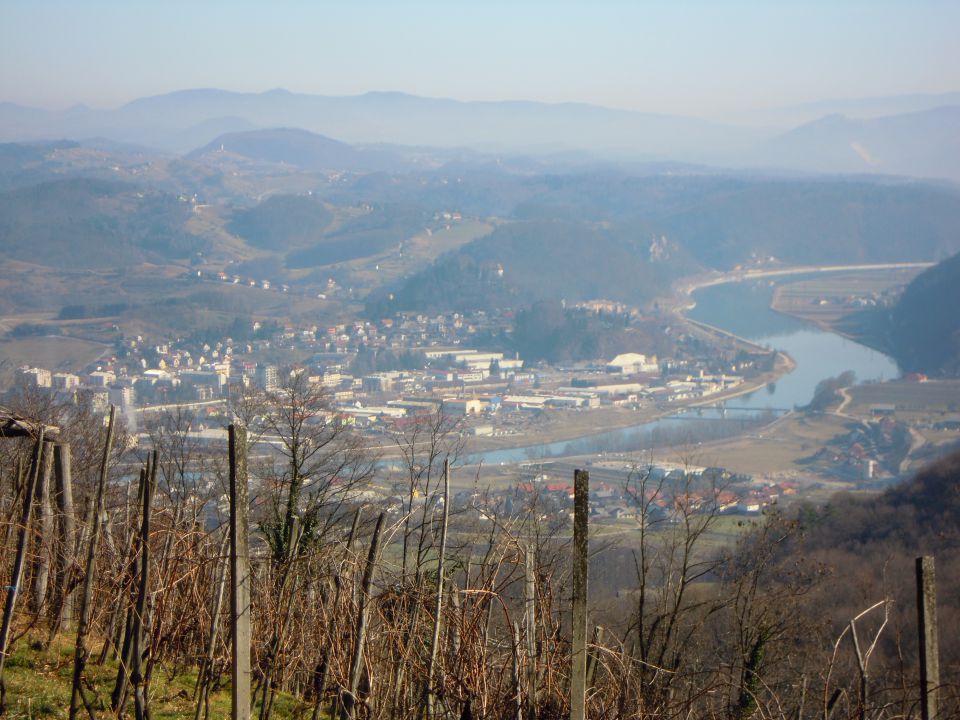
38 686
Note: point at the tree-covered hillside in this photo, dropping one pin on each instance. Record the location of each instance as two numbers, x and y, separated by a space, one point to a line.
371 233
869 546
282 221
925 323
816 222
721 221
85 223
524 262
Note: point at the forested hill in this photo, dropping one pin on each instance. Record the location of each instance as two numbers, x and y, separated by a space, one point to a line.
86 223
280 221
921 515
609 235
925 323
721 221
868 547
298 148
523 262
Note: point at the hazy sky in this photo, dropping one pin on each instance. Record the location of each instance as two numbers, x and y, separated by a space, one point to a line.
686 56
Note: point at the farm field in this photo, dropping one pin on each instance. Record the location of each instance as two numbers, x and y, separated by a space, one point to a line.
912 401
53 352
830 296
776 449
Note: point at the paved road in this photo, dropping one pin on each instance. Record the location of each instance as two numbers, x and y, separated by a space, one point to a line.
739 275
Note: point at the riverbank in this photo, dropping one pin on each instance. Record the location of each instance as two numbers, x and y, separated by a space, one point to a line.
571 425
790 383
568 426
849 304
783 364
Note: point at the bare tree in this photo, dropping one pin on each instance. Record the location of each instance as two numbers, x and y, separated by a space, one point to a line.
674 515
314 469
317 466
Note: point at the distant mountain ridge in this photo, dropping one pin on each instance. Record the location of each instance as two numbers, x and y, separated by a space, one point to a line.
925 143
920 142
853 107
174 121
881 105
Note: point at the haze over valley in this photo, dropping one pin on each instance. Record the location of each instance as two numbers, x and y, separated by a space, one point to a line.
837 136
313 399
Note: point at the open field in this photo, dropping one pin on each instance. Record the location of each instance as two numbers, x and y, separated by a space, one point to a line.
830 296
775 449
913 401
418 252
52 352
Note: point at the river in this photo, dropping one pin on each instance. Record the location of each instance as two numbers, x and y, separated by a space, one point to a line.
742 308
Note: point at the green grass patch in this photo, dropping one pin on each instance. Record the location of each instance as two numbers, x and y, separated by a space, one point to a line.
38 682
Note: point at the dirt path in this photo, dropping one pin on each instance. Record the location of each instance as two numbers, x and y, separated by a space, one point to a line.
845 394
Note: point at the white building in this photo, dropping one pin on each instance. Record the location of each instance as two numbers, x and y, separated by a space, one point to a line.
630 363
266 377
65 381
33 377
101 378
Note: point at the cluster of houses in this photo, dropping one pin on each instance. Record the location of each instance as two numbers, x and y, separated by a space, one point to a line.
437 366
672 493
479 385
869 452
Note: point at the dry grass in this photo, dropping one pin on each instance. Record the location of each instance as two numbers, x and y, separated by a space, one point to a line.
52 352
926 401
418 252
803 298
776 449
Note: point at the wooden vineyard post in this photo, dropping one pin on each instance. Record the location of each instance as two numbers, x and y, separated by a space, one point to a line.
929 646
43 520
66 533
530 613
350 700
95 518
136 674
517 683
205 676
438 605
578 669
16 574
118 698
592 658
239 574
